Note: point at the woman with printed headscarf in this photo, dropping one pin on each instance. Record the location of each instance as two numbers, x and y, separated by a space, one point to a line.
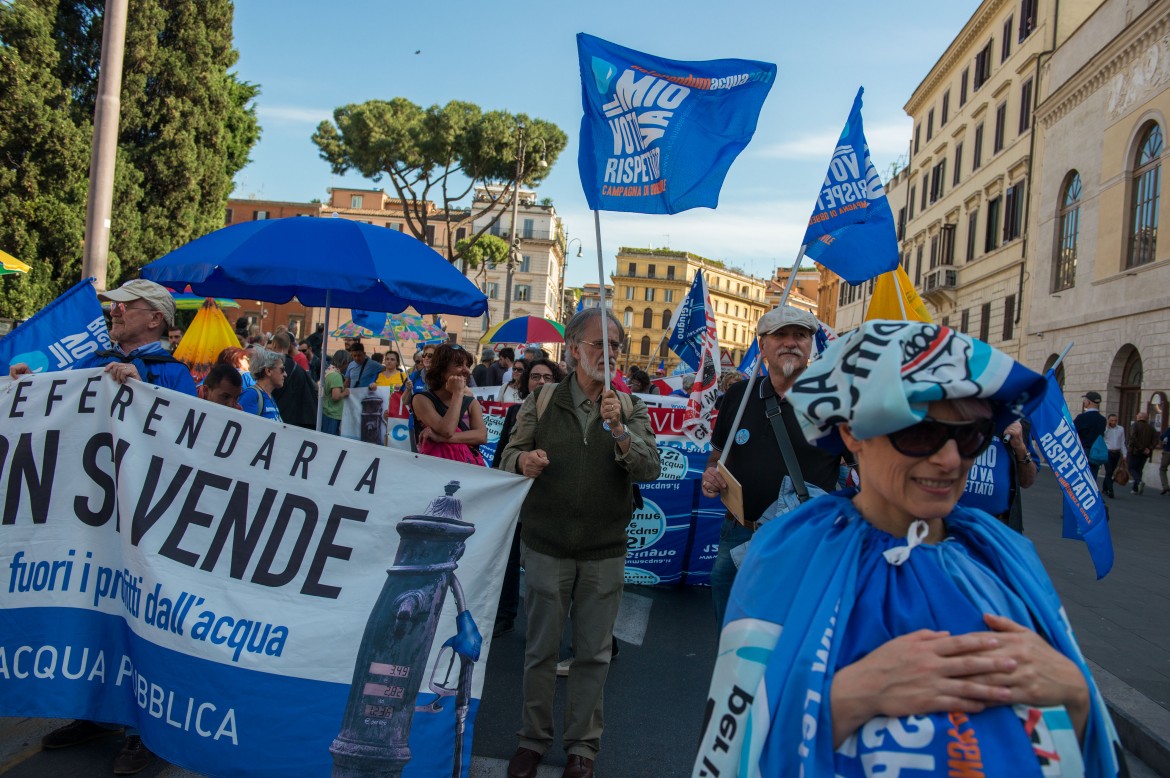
889 628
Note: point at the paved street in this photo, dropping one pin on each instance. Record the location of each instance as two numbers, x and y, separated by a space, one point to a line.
658 685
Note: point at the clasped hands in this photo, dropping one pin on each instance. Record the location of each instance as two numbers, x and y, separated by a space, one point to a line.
933 672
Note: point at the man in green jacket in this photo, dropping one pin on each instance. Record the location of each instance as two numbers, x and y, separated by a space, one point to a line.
573 536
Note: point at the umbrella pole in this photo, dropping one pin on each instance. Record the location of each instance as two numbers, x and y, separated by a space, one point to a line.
324 365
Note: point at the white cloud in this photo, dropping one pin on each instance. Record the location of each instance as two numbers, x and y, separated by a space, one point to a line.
888 139
293 114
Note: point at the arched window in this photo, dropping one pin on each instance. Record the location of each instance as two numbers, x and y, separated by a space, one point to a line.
1147 180
645 345
1069 217
648 319
628 318
666 320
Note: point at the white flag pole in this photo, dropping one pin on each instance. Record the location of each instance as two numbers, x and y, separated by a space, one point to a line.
901 296
601 292
727 444
1063 354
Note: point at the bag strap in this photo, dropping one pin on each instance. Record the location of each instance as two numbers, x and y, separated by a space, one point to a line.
772 408
543 398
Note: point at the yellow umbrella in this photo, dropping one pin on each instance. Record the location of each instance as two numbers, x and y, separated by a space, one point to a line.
10 264
208 335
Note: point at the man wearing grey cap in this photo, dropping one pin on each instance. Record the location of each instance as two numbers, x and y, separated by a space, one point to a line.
786 339
141 312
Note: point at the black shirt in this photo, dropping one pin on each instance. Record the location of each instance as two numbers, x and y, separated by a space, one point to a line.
1089 425
758 463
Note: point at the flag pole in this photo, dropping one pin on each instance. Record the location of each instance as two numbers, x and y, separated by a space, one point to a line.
756 369
325 350
601 293
1063 354
901 296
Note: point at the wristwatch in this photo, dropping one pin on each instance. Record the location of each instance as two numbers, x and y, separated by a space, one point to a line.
624 436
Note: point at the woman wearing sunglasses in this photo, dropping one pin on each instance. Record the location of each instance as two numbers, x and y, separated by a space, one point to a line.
889 627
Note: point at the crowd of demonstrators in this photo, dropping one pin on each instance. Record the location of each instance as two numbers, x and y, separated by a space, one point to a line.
573 534
499 372
392 374
728 379
241 360
539 373
448 417
1143 439
911 633
222 385
335 393
479 373
510 392
768 446
174 336
1114 435
688 383
639 382
1014 471
362 371
297 396
268 375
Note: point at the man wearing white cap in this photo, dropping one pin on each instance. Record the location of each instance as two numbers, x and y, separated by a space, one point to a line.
756 458
141 312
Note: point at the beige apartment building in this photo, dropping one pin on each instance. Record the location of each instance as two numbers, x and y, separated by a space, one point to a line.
650 283
1100 266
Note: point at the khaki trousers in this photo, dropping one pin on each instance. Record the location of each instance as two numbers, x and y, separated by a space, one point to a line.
594 590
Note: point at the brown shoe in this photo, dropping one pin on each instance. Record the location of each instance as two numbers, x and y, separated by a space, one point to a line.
578 767
133 758
524 763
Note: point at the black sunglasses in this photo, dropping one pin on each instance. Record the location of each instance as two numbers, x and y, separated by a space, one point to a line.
930 435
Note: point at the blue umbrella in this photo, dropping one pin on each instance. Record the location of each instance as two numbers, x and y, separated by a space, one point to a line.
323 263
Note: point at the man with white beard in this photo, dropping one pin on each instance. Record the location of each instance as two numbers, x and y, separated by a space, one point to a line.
786 338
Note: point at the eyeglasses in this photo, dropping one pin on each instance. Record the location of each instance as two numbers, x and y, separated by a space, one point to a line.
613 344
930 435
543 378
123 307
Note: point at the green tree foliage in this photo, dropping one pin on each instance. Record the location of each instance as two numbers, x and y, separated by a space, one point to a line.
482 253
186 127
439 155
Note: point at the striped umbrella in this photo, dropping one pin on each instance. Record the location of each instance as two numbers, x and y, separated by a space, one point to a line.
525 329
208 335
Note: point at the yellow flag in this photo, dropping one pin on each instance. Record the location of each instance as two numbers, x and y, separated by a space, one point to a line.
208 335
884 303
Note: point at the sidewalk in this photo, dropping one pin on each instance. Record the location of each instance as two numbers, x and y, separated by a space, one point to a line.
1122 621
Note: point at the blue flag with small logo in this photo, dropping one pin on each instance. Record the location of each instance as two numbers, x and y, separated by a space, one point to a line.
1084 510
659 135
63 332
750 358
689 324
851 230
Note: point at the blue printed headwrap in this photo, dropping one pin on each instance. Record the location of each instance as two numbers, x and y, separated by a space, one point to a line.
881 377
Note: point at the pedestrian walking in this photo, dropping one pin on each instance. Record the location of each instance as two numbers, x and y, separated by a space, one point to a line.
1165 463
1114 435
1142 440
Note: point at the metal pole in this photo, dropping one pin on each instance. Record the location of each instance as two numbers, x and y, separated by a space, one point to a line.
514 251
1063 354
601 292
324 364
756 371
103 156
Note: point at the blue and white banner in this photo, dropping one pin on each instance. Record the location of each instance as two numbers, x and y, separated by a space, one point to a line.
64 331
258 599
659 135
688 325
1084 510
750 357
851 230
659 531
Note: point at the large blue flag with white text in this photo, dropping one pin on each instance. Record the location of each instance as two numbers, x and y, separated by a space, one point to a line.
689 324
1084 511
851 230
659 135
748 365
67 329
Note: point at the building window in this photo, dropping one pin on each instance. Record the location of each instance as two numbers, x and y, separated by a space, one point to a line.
929 124
668 295
227 216
925 180
529 226
938 178
983 66
1147 181
259 215
917 136
991 234
972 232
1027 17
648 319
460 233
645 345
1006 46
670 273
946 108
648 294
1009 317
493 290
918 267
355 201
1013 212
666 320
523 293
651 271
900 233
633 269
912 200
525 263
977 152
933 251
958 163
985 322
948 245
1000 128
965 321
629 294
430 234
628 318
963 87
724 333
1026 106
1069 219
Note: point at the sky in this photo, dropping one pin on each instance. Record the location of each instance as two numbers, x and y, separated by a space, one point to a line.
520 56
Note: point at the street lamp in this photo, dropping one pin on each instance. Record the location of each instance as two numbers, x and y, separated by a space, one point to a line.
564 262
514 251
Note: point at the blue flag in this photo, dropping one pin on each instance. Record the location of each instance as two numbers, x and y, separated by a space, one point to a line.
689 324
750 358
1084 511
659 135
580 304
851 230
64 331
